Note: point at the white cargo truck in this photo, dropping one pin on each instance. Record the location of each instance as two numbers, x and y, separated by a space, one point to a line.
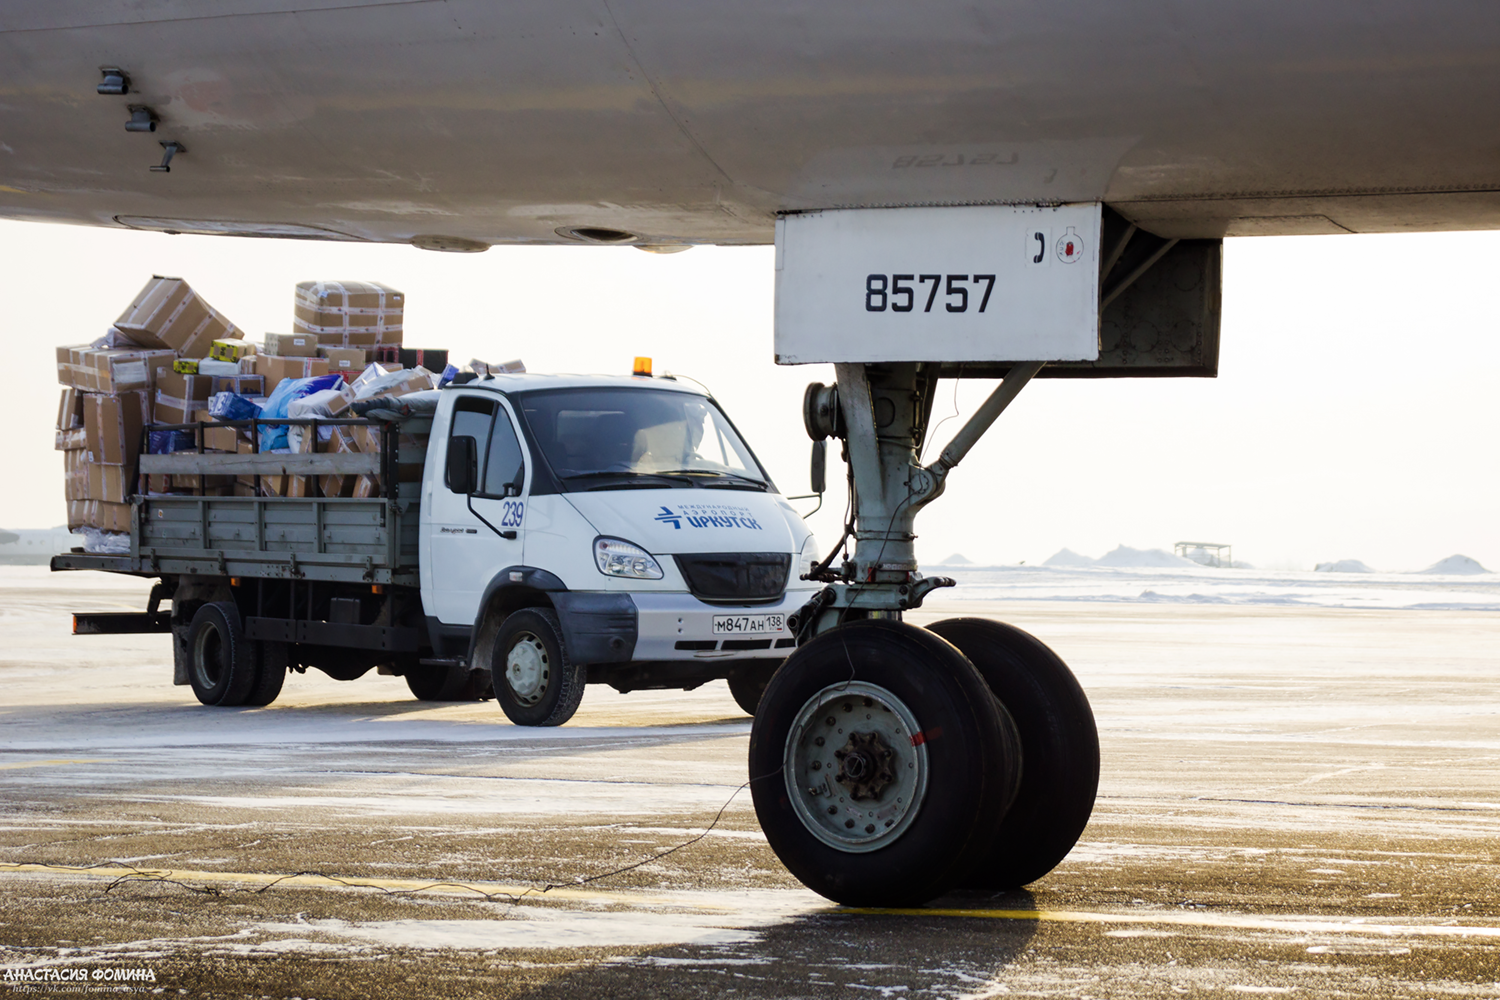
531 534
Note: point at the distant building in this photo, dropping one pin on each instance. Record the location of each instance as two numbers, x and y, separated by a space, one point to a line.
1214 554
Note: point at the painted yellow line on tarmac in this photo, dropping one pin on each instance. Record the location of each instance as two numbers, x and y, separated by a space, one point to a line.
51 763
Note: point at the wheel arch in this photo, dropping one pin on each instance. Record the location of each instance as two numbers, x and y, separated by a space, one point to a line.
510 590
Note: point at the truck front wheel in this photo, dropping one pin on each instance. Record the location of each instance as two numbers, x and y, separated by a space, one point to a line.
222 664
535 682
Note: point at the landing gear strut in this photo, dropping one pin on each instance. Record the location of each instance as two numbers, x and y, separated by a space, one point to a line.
889 763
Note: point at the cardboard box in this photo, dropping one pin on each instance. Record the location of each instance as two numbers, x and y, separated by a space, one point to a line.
224 438
169 314
186 366
75 475
99 514
108 482
292 345
245 385
108 516
179 396
343 307
70 410
232 350
76 439
113 425
343 358
109 370
369 340
209 366
276 368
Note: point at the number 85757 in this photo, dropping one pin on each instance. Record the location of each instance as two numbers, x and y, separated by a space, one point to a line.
897 292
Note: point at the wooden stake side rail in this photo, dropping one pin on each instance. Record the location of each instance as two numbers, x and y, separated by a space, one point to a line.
354 540
187 463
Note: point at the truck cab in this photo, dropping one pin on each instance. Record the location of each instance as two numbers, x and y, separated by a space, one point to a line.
596 529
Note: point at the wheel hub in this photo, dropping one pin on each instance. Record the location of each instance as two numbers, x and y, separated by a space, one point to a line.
527 668
854 774
865 766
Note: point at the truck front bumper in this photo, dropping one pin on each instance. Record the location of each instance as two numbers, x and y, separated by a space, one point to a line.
681 627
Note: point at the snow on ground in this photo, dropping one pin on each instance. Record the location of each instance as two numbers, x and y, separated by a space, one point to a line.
1189 583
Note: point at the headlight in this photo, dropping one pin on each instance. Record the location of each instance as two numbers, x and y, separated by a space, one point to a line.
809 557
615 557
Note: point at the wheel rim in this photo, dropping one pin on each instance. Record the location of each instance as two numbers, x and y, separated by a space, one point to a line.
855 769
527 668
208 658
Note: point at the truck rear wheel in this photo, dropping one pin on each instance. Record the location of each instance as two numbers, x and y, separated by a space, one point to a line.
535 682
221 661
1059 745
750 684
880 764
270 673
441 682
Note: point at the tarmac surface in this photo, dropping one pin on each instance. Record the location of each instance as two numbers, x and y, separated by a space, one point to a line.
1294 801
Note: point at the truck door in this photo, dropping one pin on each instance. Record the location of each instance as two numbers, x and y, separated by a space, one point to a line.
472 536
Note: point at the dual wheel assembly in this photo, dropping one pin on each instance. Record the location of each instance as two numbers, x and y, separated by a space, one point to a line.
890 764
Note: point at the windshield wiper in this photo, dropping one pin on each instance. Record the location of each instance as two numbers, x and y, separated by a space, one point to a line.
735 480
630 480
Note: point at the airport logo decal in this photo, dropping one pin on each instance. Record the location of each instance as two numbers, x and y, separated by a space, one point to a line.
709 515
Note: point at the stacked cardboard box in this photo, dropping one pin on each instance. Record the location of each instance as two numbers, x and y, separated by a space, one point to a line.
359 314
169 352
112 389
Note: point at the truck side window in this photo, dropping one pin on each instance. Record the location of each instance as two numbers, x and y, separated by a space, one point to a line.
505 466
472 418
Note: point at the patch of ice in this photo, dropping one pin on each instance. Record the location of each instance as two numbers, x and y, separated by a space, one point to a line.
1125 556
528 927
1455 565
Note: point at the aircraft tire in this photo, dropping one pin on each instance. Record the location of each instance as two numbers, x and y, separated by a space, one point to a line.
892 809
1059 750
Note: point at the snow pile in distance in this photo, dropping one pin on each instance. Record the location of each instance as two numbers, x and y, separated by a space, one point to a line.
1455 564
1068 558
1125 556
1342 566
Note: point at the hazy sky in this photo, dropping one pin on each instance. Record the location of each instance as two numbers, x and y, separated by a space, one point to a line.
1356 414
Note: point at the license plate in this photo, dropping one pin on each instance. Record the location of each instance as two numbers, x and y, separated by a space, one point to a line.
748 624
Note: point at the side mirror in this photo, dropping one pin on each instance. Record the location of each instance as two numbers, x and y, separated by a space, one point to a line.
463 465
820 466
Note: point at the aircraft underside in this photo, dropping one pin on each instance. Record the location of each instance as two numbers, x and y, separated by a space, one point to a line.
662 122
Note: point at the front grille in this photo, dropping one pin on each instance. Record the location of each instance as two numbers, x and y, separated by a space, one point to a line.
735 576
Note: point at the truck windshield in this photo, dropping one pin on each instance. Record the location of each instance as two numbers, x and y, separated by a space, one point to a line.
597 438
